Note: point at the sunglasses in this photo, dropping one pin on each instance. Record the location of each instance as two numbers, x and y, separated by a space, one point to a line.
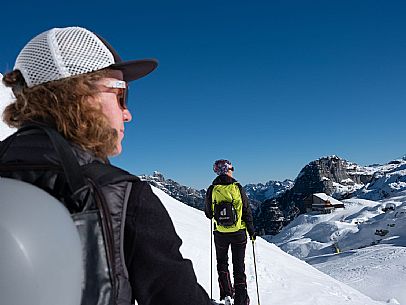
120 89
231 168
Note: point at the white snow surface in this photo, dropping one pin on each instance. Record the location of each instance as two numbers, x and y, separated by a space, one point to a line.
377 271
6 97
282 278
370 235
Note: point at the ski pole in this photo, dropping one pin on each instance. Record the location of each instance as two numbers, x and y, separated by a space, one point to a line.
255 267
211 259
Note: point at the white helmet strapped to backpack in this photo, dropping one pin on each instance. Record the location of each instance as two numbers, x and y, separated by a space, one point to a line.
41 252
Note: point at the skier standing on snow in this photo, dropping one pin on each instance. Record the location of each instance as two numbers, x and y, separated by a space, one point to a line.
74 83
228 204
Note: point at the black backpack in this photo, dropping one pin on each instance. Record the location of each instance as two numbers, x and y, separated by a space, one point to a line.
79 189
225 213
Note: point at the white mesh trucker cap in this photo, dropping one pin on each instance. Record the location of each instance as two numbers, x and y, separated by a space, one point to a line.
64 52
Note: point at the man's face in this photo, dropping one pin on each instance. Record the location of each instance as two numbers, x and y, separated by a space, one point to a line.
110 98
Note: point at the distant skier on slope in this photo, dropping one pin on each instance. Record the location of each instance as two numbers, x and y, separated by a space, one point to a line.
228 204
71 101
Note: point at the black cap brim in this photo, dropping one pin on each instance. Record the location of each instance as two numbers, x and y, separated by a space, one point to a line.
132 69
135 69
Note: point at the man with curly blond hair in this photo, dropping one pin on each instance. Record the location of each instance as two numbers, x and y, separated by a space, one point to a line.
71 91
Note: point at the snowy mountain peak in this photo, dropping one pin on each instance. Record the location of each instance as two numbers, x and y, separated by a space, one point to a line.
185 194
158 175
388 180
271 189
335 177
363 245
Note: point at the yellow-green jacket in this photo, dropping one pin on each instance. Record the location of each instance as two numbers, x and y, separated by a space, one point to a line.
225 188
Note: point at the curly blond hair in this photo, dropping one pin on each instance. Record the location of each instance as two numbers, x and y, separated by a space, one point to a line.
65 104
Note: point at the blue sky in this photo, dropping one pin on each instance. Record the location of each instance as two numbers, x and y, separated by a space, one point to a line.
269 85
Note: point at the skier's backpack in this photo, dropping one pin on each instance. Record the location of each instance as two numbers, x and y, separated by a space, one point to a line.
79 188
227 208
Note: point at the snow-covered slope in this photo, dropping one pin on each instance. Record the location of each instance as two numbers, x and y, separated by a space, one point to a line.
370 236
283 279
5 99
377 271
362 223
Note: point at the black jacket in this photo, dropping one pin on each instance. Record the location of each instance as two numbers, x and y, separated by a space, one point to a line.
158 273
246 209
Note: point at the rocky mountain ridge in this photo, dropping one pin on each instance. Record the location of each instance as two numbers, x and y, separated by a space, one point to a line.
336 177
185 194
276 203
257 193
195 198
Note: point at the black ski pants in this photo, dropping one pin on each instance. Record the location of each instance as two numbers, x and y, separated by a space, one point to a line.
238 242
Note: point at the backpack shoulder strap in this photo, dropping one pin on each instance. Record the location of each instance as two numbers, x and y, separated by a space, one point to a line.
237 184
68 161
104 174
